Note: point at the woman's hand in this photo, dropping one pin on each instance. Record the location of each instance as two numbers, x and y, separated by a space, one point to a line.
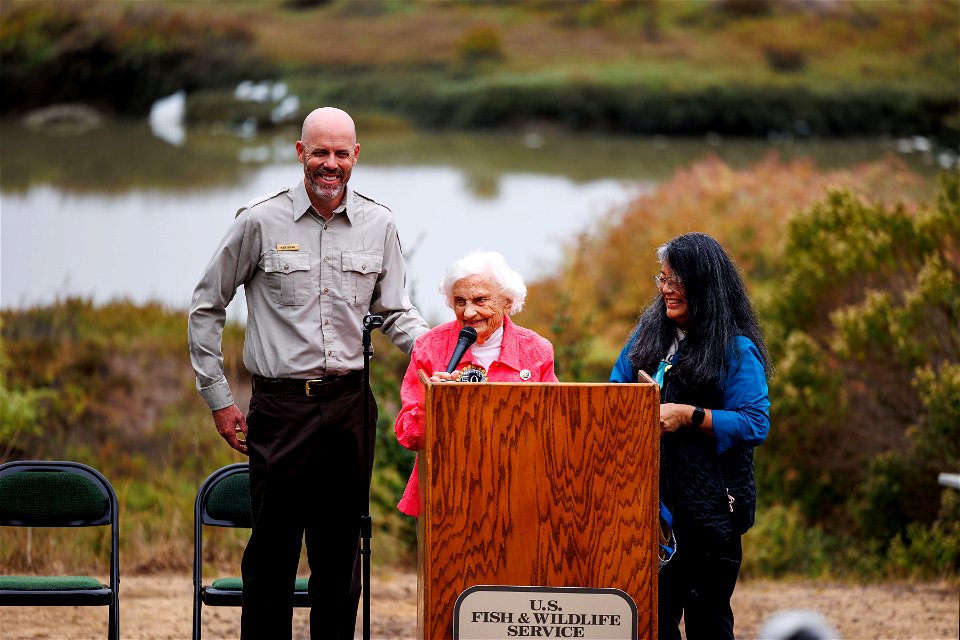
673 416
443 376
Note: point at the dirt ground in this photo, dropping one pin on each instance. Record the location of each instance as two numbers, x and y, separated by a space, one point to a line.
160 608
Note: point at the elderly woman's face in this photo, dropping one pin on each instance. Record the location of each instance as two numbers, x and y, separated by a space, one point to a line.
478 303
671 290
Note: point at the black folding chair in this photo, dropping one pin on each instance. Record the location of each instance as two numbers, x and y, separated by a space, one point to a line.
224 501
37 493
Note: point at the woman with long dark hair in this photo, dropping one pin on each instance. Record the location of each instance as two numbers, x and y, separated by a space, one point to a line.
701 341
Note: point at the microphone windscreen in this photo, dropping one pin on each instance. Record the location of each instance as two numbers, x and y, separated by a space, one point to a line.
468 335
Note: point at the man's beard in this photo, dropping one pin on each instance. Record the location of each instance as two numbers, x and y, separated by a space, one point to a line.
326 191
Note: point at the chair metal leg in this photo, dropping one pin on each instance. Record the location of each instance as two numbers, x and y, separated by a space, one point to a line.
196 617
113 633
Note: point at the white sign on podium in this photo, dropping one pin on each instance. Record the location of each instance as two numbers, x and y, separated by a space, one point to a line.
496 612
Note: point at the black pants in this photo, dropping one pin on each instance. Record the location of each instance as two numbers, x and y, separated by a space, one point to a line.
306 482
697 585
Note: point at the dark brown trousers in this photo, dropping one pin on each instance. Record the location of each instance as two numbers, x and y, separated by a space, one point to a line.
307 482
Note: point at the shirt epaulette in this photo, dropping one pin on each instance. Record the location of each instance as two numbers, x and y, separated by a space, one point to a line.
369 199
261 199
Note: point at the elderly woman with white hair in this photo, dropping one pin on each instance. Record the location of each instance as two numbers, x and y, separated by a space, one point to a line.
483 292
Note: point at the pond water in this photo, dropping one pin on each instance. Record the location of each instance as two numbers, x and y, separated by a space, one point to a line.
118 213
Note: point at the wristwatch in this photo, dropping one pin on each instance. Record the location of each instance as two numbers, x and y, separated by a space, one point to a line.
698 415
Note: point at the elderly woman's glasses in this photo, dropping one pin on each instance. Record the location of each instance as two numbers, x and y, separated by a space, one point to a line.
674 282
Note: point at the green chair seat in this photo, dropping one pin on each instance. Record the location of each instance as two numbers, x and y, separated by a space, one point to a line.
49 583
236 584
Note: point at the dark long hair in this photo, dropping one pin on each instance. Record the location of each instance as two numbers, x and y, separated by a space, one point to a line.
718 309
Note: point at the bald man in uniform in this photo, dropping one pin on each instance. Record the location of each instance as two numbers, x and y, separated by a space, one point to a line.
313 259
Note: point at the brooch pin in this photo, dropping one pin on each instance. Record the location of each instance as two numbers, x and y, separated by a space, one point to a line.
525 374
473 373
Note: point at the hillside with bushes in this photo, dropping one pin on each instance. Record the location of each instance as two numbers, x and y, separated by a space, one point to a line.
855 273
731 67
858 291
857 287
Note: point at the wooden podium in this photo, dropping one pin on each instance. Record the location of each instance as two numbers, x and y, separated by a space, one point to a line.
553 485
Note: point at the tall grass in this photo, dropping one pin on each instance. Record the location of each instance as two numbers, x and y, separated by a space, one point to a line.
111 386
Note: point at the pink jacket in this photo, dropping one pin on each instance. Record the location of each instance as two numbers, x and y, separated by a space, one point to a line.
521 350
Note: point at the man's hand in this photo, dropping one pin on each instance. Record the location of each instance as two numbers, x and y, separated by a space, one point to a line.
231 424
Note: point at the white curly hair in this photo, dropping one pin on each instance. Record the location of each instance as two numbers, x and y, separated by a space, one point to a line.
492 265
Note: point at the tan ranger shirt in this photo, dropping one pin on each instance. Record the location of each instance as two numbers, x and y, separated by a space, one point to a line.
308 284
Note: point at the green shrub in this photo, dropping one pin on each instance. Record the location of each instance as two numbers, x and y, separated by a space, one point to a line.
640 108
118 55
479 44
785 58
745 8
782 543
21 417
926 551
868 305
394 539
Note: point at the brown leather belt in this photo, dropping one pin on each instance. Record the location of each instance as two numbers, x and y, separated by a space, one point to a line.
307 387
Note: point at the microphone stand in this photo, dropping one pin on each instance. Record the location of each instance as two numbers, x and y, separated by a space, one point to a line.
366 530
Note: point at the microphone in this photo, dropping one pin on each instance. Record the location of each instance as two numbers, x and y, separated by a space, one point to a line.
468 335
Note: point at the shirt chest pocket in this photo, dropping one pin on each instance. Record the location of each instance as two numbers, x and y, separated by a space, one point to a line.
360 272
288 276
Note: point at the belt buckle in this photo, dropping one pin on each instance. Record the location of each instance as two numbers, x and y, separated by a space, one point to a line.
307 386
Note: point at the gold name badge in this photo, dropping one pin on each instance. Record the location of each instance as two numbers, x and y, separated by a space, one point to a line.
288 247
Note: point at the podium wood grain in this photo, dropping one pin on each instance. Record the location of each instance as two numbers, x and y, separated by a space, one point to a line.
537 484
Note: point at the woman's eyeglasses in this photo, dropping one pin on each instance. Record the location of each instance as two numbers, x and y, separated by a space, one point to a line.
674 282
